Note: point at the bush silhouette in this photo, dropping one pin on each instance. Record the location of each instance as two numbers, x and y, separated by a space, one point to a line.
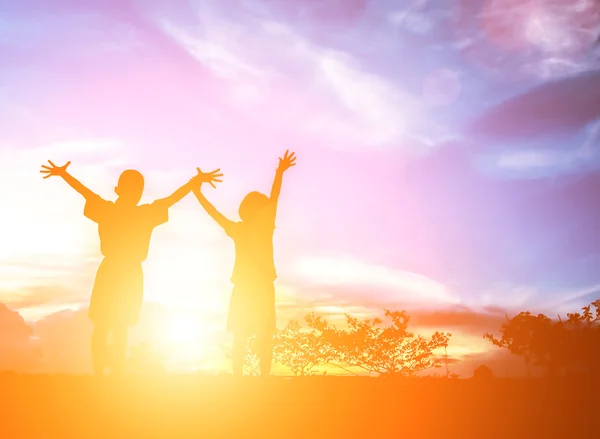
365 345
304 349
483 372
388 350
557 346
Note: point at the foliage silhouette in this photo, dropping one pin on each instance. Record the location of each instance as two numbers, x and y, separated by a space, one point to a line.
483 372
389 350
301 350
364 345
251 361
557 346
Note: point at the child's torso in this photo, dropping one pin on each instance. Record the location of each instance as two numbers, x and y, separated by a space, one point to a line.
254 261
125 233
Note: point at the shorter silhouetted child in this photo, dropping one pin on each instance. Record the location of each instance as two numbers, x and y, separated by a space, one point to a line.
252 305
125 229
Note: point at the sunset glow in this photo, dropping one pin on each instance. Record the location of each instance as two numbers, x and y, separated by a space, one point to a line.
392 205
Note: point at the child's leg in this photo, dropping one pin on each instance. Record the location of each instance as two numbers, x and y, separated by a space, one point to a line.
239 353
118 350
265 353
99 348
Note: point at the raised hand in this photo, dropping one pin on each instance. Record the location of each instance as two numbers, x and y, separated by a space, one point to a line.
288 160
211 177
54 170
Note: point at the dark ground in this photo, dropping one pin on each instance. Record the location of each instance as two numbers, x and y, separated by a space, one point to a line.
42 406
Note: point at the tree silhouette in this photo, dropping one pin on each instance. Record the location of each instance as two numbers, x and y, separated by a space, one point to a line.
556 346
483 372
584 338
517 336
251 362
364 344
391 350
301 350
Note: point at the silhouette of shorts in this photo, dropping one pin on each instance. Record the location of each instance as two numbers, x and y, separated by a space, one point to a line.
118 293
252 309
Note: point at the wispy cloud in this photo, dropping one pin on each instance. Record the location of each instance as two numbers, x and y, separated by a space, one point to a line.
355 106
207 50
396 285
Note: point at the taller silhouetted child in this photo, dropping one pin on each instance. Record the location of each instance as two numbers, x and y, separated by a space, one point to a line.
125 229
252 305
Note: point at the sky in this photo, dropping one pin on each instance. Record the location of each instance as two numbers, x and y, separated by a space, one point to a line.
395 202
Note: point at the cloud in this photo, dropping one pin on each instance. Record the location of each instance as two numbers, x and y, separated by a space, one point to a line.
64 341
222 62
354 105
574 300
14 330
371 99
549 159
560 106
16 349
519 160
390 284
460 319
535 41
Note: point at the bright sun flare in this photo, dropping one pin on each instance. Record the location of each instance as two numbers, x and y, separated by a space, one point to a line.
183 330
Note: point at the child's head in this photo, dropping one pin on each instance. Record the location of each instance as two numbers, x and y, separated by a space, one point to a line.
130 186
251 204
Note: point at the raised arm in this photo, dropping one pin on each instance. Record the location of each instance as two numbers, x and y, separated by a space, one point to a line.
221 219
176 196
208 177
61 171
288 160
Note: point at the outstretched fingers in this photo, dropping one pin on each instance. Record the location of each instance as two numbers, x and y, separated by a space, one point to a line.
288 156
214 180
54 167
211 177
47 171
288 160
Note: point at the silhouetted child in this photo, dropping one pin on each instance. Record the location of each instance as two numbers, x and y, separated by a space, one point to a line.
125 229
252 305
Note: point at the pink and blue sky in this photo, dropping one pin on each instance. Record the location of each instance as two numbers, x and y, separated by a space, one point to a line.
391 204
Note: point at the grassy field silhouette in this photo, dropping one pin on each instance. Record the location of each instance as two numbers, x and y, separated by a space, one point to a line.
182 406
